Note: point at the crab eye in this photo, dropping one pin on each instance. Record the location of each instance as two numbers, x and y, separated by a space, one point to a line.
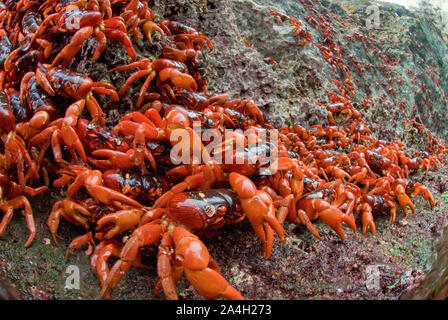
222 210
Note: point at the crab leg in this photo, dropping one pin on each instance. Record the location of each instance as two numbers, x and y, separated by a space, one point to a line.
195 259
8 209
69 52
142 236
258 207
122 220
80 241
404 200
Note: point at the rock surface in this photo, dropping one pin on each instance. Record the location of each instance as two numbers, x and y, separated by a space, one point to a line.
407 53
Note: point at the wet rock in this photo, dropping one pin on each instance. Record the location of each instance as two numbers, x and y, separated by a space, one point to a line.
408 77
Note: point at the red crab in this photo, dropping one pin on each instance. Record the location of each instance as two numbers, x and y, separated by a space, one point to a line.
74 85
164 69
84 24
207 210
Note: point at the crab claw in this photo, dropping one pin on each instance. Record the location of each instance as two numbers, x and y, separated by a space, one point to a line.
333 217
338 173
80 241
130 254
367 219
179 79
426 194
195 259
259 209
330 215
254 111
115 159
149 28
69 211
403 199
72 141
122 220
110 197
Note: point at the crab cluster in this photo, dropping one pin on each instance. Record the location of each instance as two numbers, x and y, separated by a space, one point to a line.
121 183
